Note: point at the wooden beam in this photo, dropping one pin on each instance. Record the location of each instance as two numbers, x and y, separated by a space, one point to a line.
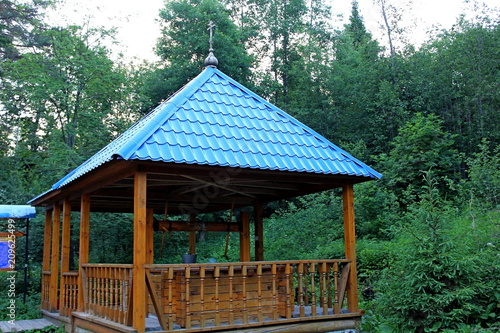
245 236
259 231
84 246
66 236
54 261
350 246
139 303
47 233
192 236
196 226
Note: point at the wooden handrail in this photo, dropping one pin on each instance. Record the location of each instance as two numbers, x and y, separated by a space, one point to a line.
204 296
246 263
245 293
108 265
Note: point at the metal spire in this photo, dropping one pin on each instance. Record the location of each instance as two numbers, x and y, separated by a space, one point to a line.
211 60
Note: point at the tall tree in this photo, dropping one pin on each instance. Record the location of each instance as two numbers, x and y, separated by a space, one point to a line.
60 102
184 45
18 21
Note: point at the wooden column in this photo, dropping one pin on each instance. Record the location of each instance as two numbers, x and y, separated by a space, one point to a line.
192 236
149 237
244 236
47 233
350 246
139 300
259 231
84 246
54 258
66 236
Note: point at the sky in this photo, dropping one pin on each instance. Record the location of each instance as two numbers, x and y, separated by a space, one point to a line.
138 29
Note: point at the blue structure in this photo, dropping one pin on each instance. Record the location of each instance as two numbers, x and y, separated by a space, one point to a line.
216 121
17 212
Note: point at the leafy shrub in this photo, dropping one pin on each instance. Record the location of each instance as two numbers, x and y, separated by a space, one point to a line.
440 278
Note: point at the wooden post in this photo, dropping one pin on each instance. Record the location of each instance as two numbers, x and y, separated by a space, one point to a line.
47 233
66 236
139 303
259 231
84 246
350 246
54 261
149 237
245 236
192 236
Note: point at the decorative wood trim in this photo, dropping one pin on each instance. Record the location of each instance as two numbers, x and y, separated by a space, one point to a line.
350 246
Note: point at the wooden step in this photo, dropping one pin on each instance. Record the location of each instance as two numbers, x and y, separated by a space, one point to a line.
24 325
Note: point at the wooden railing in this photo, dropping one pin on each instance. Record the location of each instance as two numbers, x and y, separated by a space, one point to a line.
243 294
45 290
69 293
107 291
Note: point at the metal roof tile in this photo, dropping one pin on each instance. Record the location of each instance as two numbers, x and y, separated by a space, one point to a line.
216 121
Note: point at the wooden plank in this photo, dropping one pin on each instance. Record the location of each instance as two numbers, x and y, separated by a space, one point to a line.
245 236
139 304
156 303
350 246
344 276
84 247
47 233
54 269
66 236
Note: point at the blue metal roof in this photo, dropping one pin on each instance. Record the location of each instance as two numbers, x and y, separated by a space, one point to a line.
214 120
17 212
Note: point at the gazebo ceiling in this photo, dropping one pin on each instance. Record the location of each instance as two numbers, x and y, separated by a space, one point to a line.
211 144
188 189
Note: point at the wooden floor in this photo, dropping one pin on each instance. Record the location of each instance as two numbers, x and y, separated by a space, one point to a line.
24 325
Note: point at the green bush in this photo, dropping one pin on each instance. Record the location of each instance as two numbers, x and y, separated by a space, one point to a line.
443 276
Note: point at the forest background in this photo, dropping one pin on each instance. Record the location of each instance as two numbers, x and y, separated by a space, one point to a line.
426 117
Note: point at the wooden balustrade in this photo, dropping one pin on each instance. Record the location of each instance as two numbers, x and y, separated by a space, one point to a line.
45 290
216 294
107 291
69 293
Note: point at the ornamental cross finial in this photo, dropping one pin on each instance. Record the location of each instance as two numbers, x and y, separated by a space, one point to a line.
211 27
211 60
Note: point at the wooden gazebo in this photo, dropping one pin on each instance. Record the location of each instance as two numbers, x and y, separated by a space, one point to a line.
211 146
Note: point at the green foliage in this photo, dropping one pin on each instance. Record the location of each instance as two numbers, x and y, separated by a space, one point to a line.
289 232
421 145
28 310
441 267
484 177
